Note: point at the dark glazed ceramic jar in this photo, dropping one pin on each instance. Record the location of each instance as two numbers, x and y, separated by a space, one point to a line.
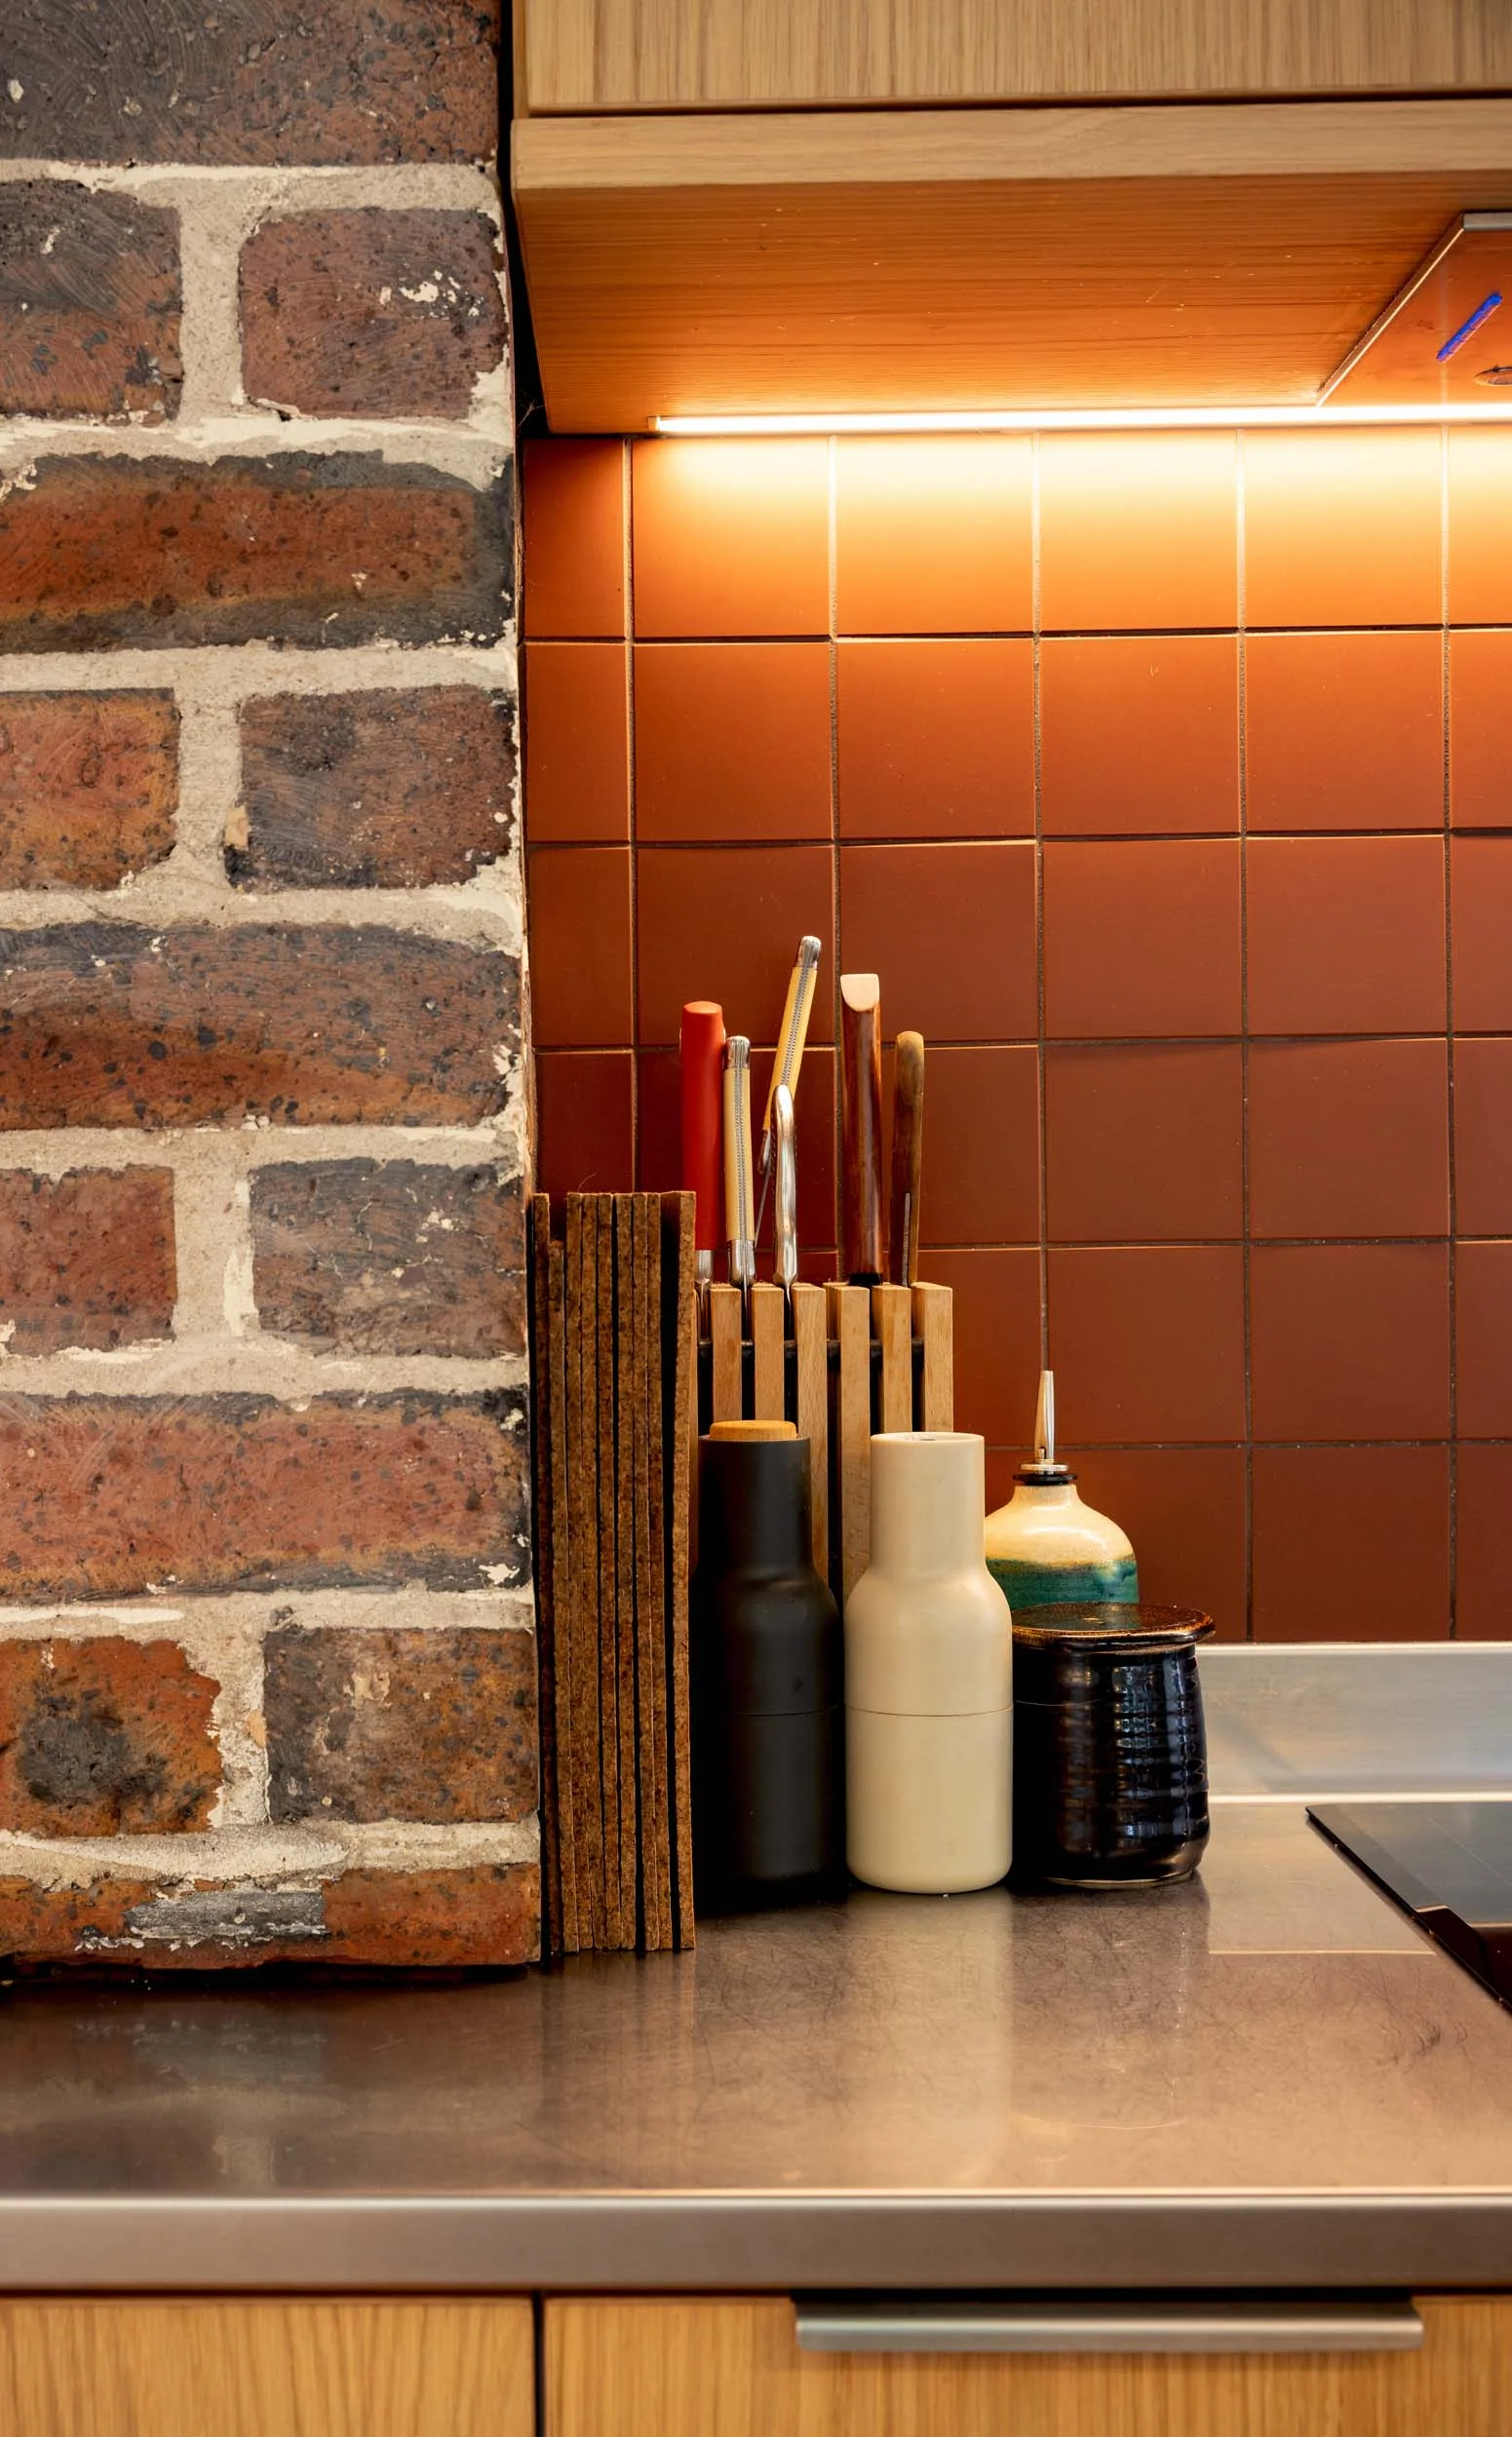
767 1666
1109 1763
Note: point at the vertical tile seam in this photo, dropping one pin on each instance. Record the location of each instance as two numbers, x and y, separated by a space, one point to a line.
1241 611
1041 1061
833 584
628 575
1451 1483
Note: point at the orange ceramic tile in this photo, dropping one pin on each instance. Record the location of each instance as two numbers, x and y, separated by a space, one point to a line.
997 1341
580 947
573 576
1351 1543
583 1108
1350 1340
1481 887
659 1138
1483 1341
950 930
1348 1138
1482 1138
1342 528
933 536
1139 733
937 739
1138 529
980 1177
732 740
723 922
1002 1463
1344 732
1142 939
1480 731
1480 529
1147 1342
577 745
1183 1510
731 536
1483 1544
1146 1142
1347 935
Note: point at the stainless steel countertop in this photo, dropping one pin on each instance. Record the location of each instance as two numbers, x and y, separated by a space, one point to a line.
1267 2077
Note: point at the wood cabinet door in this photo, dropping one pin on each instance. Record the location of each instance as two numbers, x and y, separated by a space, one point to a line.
733 2368
266 2367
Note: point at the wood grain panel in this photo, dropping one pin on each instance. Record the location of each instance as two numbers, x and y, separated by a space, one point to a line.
690 2369
697 55
267 2369
1033 258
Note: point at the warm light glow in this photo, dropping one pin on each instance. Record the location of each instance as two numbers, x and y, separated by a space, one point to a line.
1071 419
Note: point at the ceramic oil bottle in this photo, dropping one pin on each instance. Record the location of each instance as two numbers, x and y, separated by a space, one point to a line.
928 1678
1045 1547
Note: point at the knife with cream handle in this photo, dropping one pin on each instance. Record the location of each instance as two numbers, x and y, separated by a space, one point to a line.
792 1035
785 1214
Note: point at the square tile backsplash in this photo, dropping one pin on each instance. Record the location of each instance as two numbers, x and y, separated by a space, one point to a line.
1166 780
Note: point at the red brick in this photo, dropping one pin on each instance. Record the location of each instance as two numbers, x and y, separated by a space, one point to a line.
86 1258
102 1024
370 312
333 80
105 1739
483 1916
294 550
389 1257
390 789
89 304
101 1495
420 1724
88 787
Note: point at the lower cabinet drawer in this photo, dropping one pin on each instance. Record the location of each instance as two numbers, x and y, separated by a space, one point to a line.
256 2368
735 2368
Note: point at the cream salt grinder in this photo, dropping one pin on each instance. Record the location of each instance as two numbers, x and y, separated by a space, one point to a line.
928 1678
1045 1547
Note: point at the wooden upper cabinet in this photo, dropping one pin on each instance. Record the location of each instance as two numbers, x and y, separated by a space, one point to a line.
582 57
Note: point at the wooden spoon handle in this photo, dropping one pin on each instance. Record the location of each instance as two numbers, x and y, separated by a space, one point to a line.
863 1212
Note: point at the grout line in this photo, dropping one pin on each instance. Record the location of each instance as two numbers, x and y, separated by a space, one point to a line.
1246 1217
832 576
1448 1052
628 576
1041 1057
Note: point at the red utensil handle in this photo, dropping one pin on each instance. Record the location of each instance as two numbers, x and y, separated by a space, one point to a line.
700 1047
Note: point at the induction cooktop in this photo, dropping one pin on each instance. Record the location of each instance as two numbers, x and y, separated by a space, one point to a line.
1449 1864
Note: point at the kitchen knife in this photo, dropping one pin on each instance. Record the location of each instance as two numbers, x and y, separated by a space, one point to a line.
791 1035
739 1235
908 1154
862 1214
701 1057
785 1212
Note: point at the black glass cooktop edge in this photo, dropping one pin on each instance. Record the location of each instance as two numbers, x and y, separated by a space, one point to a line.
1447 1864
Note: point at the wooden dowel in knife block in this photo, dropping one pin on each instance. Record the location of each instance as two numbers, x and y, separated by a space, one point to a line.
862 1214
850 1463
892 1321
811 1365
934 1326
768 1351
725 1348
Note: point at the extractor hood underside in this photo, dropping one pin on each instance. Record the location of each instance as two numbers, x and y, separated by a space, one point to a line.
1032 258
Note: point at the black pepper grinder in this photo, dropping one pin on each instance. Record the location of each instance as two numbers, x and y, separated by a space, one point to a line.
768 1680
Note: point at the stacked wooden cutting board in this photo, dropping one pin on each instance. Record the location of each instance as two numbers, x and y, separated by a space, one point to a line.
614 1355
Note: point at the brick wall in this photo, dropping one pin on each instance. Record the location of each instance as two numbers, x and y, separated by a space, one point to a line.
1167 782
267 1674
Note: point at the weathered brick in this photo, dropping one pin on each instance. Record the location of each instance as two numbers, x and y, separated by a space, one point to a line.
421 1724
89 303
105 1737
485 1914
249 80
369 312
89 784
86 1258
105 1024
101 1495
389 1257
300 548
390 789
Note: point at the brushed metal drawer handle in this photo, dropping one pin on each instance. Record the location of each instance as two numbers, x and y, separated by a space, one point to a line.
1391 2325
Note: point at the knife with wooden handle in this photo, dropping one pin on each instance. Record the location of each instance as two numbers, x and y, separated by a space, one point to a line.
739 1213
863 1212
908 1154
701 1059
791 1035
785 1210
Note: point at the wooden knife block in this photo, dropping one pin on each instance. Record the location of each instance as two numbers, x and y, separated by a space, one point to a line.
856 1359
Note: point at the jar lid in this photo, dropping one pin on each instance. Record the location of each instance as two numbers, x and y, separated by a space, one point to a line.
1137 1629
